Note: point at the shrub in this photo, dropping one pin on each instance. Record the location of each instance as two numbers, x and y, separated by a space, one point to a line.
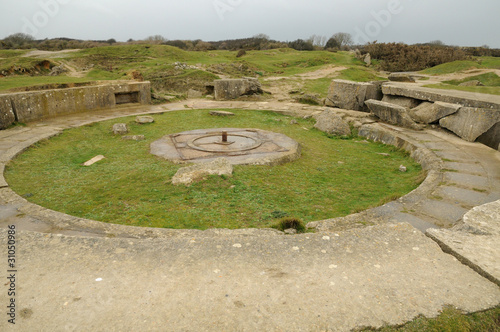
402 57
290 222
301 45
241 53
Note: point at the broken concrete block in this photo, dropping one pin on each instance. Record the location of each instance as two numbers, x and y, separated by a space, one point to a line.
402 101
120 129
188 175
433 112
469 123
233 88
331 123
393 114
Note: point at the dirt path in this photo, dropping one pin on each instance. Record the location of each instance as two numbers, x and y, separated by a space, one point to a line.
458 76
280 86
49 54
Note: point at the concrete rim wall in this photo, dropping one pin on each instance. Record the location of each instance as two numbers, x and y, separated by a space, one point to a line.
60 220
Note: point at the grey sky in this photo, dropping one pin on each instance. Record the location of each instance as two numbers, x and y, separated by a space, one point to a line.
455 22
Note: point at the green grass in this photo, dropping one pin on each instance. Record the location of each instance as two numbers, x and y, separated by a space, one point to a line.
359 75
488 79
457 66
12 82
451 320
319 86
132 187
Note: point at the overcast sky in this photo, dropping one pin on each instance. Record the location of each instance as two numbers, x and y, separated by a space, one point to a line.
455 22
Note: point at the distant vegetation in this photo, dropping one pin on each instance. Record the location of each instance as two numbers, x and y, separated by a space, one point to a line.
391 56
176 66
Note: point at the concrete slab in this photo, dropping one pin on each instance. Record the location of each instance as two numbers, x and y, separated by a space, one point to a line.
467 180
471 168
463 196
445 213
419 223
453 156
313 282
469 99
247 279
476 240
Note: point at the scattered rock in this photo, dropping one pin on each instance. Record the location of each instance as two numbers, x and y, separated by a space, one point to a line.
401 77
120 129
183 66
93 160
331 123
293 122
290 231
144 119
134 138
367 59
58 70
433 112
403 169
393 114
472 83
469 123
384 154
221 113
188 175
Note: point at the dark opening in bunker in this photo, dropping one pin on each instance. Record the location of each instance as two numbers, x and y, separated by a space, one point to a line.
127 97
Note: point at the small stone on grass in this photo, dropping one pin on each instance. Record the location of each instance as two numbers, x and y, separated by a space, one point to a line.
144 119
93 160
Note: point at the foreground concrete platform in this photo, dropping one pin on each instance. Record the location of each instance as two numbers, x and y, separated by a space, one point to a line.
74 274
313 282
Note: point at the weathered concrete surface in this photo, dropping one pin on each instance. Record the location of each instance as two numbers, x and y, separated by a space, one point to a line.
470 123
188 175
314 282
120 129
391 113
352 95
468 99
7 116
401 101
144 119
475 241
448 191
331 123
491 138
169 271
36 105
433 112
228 89
258 147
402 77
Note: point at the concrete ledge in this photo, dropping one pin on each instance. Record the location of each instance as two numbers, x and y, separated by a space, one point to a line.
391 211
464 98
35 105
